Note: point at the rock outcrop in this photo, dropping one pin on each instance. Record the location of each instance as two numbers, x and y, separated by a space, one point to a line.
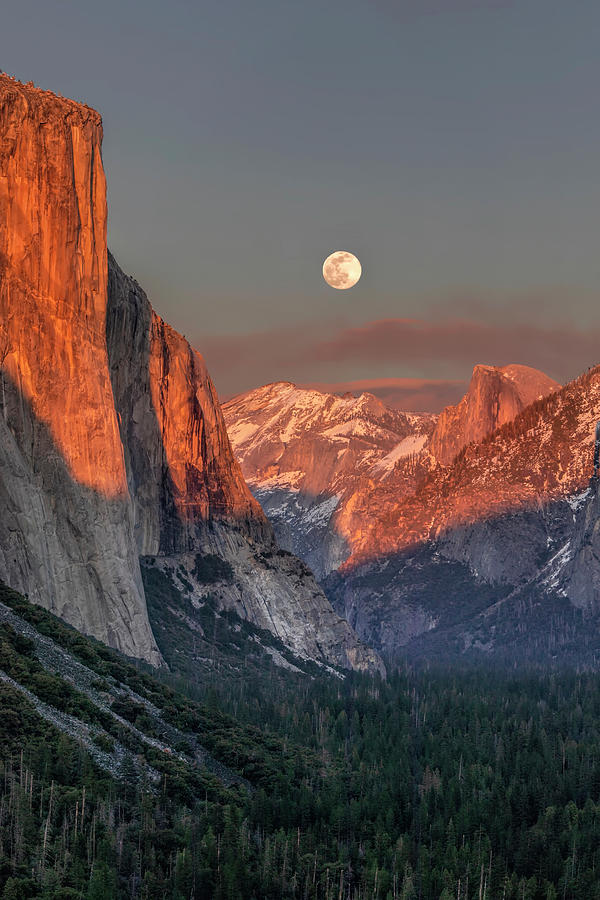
495 396
580 563
66 533
112 441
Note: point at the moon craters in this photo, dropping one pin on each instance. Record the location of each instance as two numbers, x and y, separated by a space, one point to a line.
341 270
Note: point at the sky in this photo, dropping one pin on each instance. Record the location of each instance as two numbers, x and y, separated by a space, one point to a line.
452 145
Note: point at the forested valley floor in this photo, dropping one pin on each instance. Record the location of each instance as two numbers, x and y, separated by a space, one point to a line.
439 783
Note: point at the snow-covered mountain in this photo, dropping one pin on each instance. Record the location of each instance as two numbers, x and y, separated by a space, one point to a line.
328 469
499 547
307 454
490 545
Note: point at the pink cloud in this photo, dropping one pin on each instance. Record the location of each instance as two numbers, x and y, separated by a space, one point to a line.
443 348
559 351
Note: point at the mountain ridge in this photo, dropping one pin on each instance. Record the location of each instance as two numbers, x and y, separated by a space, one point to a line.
516 511
329 470
304 452
500 523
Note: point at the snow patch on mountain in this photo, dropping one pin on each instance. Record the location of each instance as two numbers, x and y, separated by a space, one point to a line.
321 513
576 501
414 443
553 571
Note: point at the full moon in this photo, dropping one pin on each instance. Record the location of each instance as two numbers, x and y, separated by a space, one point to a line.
341 270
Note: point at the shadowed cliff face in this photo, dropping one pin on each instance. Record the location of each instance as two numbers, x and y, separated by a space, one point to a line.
182 473
66 546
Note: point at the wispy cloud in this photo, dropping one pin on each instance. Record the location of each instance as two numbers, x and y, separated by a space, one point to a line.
432 355
557 350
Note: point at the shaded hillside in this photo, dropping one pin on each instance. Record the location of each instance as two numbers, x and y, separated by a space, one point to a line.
517 512
416 786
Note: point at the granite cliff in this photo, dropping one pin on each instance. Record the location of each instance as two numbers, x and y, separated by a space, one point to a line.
496 395
112 441
66 535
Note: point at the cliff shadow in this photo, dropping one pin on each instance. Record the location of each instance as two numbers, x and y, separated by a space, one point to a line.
171 517
497 588
67 546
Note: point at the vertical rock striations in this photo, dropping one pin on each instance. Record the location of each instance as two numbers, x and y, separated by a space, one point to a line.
65 530
112 442
581 573
182 473
495 396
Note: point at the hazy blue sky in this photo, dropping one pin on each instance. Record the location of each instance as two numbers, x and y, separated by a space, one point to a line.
453 146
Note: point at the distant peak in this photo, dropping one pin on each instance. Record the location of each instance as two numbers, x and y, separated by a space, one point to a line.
496 395
526 378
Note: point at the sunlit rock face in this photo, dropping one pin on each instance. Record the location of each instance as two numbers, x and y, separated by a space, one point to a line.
495 396
65 530
112 442
54 270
